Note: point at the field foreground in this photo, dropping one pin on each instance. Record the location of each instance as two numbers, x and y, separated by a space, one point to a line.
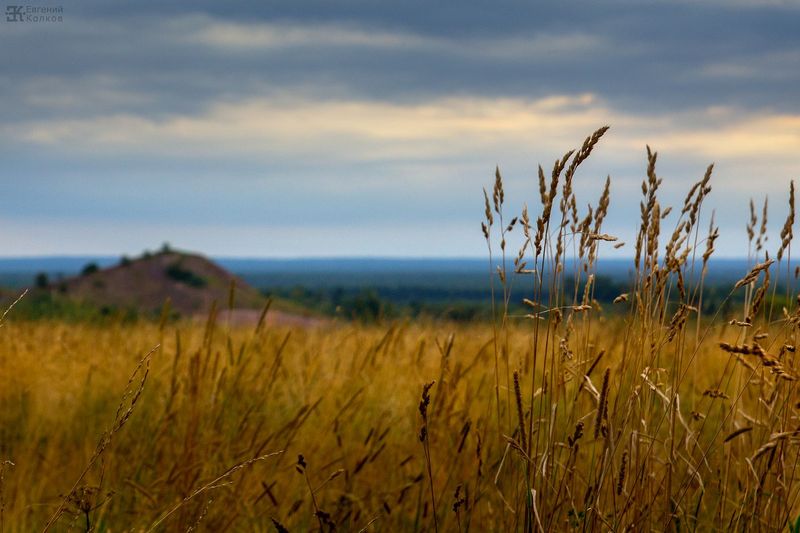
347 398
667 412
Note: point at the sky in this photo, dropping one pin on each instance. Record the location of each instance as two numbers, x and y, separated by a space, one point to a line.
369 128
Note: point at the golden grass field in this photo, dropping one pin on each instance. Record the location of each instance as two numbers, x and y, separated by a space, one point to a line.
658 416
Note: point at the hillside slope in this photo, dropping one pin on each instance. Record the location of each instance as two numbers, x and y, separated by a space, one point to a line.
190 281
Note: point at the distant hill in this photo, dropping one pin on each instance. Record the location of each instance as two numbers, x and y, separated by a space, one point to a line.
191 282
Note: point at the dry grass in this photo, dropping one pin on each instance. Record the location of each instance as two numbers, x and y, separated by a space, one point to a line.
653 418
346 398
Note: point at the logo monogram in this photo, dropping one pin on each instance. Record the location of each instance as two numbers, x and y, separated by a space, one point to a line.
14 13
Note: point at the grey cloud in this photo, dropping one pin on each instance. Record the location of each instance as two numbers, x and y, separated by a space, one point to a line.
647 55
151 61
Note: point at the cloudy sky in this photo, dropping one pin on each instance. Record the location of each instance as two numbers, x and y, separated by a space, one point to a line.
361 127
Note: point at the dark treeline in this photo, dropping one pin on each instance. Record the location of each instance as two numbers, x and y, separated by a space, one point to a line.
470 303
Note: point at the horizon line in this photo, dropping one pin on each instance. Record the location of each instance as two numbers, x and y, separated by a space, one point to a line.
307 258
